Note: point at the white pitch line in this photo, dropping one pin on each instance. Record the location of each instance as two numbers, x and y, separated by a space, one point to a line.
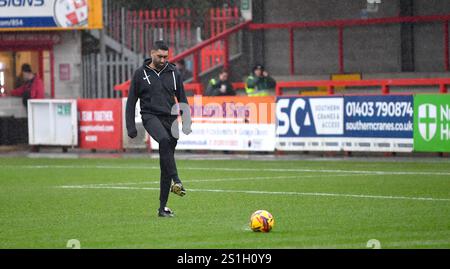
388 245
375 172
217 180
195 180
269 192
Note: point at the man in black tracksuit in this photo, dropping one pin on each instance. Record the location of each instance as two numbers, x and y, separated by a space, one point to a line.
156 84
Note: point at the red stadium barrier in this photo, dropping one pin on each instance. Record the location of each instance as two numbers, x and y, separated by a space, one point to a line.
123 88
383 83
197 88
220 20
238 85
196 50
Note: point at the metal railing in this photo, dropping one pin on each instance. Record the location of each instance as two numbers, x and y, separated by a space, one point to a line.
195 86
100 75
196 50
340 25
384 84
138 29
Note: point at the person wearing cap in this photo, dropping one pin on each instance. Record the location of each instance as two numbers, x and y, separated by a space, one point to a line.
259 82
33 88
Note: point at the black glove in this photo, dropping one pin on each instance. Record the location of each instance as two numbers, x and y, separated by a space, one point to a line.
132 133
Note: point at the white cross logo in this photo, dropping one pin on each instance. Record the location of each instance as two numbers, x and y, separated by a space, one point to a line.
427 121
146 77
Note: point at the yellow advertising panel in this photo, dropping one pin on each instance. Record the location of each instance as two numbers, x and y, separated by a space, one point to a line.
38 15
344 77
322 90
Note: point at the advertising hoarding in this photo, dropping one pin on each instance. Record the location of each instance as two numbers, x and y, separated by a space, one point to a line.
237 123
100 123
432 122
29 15
350 123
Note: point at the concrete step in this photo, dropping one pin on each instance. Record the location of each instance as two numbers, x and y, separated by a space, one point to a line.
116 46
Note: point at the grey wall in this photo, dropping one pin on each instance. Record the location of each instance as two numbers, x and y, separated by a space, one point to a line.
69 52
372 49
428 37
367 49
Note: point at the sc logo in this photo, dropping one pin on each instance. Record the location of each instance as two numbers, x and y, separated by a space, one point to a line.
286 120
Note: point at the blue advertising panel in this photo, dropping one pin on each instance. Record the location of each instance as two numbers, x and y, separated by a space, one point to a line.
310 117
379 116
309 123
335 123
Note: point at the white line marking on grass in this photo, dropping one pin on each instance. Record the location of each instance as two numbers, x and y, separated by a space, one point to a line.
301 244
197 180
363 172
218 180
401 244
416 243
269 192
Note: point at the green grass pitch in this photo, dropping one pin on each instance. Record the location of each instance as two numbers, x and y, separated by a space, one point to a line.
112 203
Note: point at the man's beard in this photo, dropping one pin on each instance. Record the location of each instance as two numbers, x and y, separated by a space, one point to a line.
158 65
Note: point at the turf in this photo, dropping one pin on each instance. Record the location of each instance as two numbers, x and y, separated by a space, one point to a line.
111 203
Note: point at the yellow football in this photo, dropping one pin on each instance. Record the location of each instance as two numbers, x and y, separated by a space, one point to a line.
261 221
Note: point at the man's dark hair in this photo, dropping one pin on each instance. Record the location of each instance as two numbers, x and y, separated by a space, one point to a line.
160 45
223 71
182 62
26 68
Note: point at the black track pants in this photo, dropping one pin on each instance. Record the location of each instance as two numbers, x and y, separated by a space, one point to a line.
160 129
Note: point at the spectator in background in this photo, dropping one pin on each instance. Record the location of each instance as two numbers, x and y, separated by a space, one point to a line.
220 86
259 83
184 72
33 88
20 79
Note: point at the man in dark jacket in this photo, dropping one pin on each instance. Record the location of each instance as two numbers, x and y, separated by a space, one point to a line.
221 86
156 84
259 83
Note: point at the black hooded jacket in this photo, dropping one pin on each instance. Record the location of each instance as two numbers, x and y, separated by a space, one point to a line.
156 91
